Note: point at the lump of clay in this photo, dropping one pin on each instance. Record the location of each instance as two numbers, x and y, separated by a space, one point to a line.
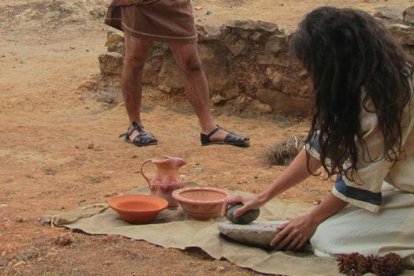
246 218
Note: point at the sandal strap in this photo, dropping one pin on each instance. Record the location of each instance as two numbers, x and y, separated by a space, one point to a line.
214 131
231 138
235 138
134 126
144 138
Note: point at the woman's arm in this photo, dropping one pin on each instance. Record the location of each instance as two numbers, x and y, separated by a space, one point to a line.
295 173
295 233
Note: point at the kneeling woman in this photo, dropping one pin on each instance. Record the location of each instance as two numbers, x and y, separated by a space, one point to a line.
361 134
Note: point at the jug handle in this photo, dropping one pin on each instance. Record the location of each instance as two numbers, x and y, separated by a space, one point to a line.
142 172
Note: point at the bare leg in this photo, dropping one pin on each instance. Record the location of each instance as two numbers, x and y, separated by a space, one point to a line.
196 86
135 53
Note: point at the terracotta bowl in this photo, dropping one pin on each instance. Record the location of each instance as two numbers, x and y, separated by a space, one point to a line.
201 203
138 209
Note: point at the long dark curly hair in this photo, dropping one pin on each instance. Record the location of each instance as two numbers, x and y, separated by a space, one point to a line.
352 59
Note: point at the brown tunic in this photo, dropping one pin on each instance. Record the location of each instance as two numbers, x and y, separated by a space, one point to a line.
162 20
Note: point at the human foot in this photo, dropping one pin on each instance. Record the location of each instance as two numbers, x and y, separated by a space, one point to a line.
221 136
138 136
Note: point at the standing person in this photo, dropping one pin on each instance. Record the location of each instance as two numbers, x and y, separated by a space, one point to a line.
361 133
170 21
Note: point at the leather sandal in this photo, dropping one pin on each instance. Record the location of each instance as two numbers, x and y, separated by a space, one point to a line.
143 139
230 139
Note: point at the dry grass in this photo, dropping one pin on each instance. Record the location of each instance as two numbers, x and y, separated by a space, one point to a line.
282 154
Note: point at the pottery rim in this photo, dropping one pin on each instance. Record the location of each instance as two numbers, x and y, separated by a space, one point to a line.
161 205
177 195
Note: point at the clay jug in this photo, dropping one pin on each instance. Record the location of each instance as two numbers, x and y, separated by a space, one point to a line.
166 179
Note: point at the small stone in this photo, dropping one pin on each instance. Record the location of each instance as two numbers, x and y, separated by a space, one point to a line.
229 94
392 13
98 13
258 234
11 263
165 89
91 146
111 63
246 218
218 99
45 220
234 44
113 40
3 205
19 219
408 15
259 107
276 44
256 36
63 240
19 263
209 13
242 102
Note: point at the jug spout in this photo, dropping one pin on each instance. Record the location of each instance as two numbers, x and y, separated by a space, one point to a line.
178 162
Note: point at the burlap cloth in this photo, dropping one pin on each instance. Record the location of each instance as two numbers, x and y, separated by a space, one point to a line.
173 229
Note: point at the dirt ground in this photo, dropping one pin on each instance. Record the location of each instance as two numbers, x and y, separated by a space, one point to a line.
59 148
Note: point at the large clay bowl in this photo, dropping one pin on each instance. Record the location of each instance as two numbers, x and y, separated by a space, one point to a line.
138 209
201 203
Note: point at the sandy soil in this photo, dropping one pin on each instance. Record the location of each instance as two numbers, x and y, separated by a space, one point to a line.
59 148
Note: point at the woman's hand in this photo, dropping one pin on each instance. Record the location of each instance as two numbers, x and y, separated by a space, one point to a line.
295 233
249 202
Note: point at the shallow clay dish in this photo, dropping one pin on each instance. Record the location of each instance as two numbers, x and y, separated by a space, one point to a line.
201 203
138 209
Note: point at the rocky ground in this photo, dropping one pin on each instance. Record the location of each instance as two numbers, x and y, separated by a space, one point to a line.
59 147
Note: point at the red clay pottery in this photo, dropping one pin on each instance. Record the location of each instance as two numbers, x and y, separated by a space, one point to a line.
201 203
166 179
138 209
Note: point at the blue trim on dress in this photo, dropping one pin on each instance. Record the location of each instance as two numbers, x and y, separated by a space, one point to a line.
314 142
357 194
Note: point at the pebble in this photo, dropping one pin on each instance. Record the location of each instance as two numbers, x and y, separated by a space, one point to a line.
19 263
19 219
63 240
